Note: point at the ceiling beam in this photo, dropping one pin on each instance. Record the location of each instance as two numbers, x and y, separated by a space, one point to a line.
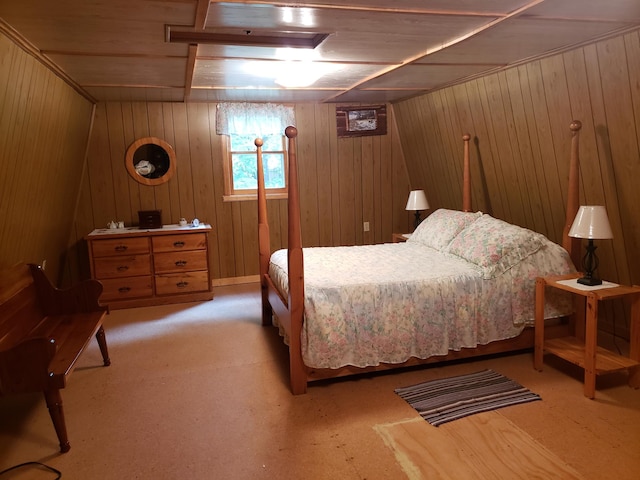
191 65
202 12
278 40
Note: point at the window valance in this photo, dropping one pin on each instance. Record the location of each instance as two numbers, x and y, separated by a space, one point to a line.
258 119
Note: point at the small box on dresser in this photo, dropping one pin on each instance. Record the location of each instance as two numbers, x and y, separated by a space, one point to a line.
140 267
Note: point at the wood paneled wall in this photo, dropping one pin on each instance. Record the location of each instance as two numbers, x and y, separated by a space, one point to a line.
344 182
519 122
44 127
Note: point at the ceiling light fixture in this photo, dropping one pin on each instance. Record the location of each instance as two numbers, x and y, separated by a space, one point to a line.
290 73
298 74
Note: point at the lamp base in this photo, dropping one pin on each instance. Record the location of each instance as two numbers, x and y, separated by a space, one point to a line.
417 219
590 281
590 265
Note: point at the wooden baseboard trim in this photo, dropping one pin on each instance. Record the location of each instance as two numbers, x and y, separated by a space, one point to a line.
223 282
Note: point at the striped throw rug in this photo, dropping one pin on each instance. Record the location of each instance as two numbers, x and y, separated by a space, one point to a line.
441 401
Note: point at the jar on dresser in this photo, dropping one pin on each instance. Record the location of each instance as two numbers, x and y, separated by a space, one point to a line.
140 267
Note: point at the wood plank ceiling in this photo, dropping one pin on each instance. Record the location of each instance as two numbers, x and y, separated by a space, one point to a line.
375 51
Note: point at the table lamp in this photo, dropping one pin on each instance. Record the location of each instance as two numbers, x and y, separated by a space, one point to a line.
417 201
592 223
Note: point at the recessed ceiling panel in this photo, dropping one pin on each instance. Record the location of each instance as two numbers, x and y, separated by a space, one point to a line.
262 73
375 96
390 48
386 35
520 39
98 27
123 71
616 10
260 95
424 77
253 19
350 47
137 94
461 6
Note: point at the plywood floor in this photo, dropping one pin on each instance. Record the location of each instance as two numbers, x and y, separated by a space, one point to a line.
199 391
483 446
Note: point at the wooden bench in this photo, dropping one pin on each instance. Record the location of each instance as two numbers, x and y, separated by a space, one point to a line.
43 331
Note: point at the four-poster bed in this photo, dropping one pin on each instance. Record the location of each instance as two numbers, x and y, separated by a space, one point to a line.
442 295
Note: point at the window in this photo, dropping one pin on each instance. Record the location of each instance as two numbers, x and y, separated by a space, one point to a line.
242 123
243 162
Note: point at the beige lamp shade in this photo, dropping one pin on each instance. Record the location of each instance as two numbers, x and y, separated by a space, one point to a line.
417 200
591 222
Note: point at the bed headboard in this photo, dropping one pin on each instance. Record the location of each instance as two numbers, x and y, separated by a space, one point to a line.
571 245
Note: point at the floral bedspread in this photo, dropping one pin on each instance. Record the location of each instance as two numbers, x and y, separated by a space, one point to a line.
385 303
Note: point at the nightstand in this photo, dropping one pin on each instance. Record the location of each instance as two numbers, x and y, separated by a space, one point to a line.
582 349
400 237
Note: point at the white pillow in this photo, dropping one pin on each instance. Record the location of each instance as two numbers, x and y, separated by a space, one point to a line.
439 228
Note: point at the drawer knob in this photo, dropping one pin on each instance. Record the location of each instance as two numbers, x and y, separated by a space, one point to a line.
124 289
181 263
123 268
121 248
182 284
178 244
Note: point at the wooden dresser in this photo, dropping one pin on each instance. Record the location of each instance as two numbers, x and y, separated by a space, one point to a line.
140 267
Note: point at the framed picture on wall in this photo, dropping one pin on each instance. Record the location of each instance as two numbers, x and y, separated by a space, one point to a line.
361 120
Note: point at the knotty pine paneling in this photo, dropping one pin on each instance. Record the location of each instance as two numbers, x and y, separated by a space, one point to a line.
344 182
44 127
519 122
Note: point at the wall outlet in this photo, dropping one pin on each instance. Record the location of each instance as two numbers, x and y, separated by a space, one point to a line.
366 226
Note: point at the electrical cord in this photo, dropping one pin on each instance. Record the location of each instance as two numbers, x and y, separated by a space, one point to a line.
51 469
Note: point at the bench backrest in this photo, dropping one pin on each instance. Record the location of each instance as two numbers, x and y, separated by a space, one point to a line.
20 308
22 369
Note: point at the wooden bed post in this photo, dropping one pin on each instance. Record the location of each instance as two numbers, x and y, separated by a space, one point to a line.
293 313
264 248
466 176
572 245
297 370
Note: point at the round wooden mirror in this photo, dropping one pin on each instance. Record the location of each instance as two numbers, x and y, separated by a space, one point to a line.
150 161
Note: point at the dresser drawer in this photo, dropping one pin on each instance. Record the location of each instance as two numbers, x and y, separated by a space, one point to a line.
173 243
125 288
122 266
120 246
180 261
170 284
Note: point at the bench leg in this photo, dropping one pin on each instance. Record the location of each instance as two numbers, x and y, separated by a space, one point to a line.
54 404
102 342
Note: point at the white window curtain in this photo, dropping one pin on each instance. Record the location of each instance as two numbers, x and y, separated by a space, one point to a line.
258 119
